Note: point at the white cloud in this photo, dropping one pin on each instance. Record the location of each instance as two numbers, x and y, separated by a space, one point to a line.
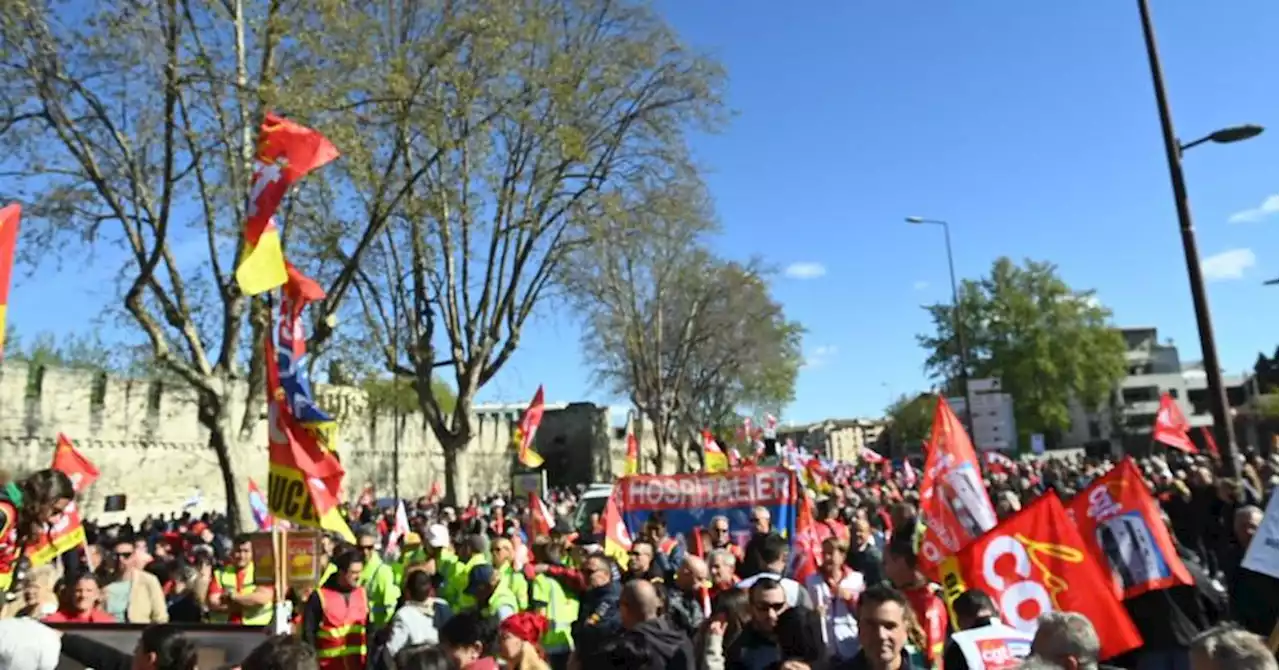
1268 208
1228 264
920 285
805 270
819 356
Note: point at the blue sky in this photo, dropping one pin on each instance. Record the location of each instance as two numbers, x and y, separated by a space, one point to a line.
1030 126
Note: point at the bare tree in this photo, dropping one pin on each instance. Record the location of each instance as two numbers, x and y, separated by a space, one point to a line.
131 128
641 296
543 120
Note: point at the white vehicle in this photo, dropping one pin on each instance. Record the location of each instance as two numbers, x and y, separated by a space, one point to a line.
592 501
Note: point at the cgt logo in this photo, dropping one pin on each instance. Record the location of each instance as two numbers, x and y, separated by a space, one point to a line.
996 655
1014 568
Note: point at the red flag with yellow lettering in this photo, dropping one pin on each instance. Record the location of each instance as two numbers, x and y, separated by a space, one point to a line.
1036 562
8 243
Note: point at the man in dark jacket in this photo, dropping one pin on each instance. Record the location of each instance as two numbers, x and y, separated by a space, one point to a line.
648 641
684 597
598 615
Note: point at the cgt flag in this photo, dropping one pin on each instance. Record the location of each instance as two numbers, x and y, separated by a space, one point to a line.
287 151
954 507
9 217
1036 562
1121 525
1171 426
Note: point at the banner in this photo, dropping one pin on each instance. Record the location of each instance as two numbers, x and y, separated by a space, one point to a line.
954 506
1121 525
1036 562
691 501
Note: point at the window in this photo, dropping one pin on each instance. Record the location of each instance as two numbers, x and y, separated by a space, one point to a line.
1140 394
1173 393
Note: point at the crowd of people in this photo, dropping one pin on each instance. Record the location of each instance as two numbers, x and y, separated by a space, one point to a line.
469 588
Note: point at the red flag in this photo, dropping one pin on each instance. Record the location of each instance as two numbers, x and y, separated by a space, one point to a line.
617 539
70 462
1171 426
540 519
1121 525
997 462
528 427
704 593
1035 562
9 217
954 506
1210 442
807 546
286 152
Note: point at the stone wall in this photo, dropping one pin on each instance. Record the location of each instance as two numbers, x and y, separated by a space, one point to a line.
145 438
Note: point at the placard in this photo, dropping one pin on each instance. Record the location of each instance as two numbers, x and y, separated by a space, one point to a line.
302 557
1263 554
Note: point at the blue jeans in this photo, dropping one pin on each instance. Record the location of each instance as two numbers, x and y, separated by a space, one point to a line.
1165 659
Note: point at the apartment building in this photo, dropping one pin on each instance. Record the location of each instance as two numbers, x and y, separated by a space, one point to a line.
1154 368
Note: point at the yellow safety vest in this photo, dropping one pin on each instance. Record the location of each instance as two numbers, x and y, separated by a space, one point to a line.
561 612
502 597
257 616
455 585
380 587
514 580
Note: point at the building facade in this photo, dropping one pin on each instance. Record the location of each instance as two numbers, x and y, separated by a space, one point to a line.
1154 368
836 439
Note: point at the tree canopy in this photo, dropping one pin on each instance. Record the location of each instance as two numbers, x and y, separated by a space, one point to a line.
688 338
910 420
1047 342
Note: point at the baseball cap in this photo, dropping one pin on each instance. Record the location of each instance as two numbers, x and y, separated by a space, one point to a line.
437 536
481 575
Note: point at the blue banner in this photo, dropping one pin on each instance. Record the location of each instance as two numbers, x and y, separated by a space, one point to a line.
692 501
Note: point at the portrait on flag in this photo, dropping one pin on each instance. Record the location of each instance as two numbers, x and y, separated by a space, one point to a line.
1036 562
1120 522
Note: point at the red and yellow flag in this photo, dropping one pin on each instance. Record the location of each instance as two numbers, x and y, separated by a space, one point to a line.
713 457
287 151
67 531
8 242
632 466
529 423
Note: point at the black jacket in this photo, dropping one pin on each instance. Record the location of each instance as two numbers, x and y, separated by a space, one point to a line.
598 621
652 645
751 651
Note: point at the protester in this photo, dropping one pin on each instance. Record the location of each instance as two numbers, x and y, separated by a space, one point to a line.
884 623
1230 648
80 602
518 638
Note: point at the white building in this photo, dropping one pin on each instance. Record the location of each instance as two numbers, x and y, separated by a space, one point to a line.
1154 369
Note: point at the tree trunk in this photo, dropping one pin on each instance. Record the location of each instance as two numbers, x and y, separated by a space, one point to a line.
451 490
233 482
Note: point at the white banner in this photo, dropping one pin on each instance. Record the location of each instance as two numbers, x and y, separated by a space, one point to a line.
1264 551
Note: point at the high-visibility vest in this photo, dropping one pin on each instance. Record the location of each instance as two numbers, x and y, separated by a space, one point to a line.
994 646
513 579
455 585
380 589
340 641
502 597
561 613
226 577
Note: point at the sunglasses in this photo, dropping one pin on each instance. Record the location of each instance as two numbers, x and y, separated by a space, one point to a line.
771 607
367 547
124 554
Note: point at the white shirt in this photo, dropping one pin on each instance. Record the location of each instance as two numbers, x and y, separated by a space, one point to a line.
839 616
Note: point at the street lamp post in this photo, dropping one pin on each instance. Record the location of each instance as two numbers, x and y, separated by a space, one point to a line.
1173 154
958 323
